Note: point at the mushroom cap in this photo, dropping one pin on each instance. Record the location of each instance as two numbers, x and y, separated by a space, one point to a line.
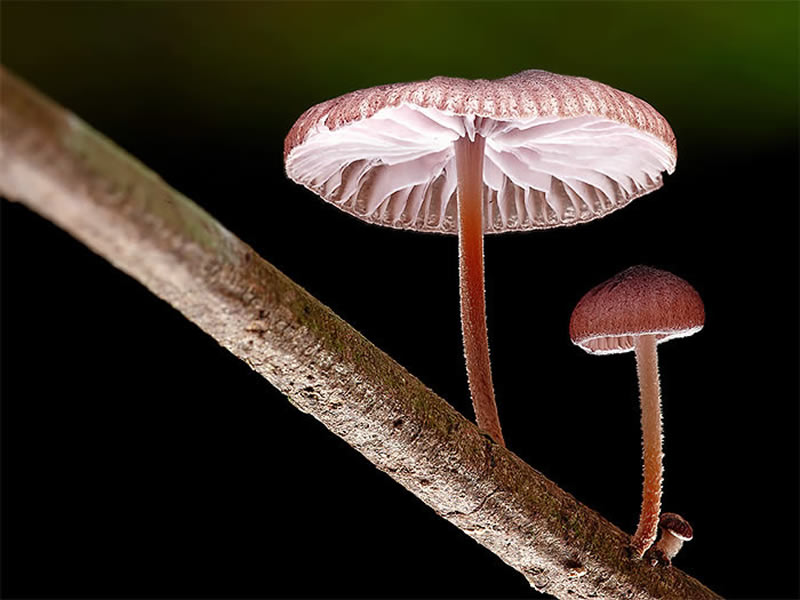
638 301
677 526
560 150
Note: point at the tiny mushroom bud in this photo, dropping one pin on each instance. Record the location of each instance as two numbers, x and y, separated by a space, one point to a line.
674 531
469 157
636 310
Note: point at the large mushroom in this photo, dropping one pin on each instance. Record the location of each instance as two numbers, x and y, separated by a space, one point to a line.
634 311
467 157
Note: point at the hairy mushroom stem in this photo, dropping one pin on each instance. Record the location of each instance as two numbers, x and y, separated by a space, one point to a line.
469 167
650 395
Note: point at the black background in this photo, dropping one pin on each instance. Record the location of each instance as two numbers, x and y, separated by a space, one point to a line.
140 459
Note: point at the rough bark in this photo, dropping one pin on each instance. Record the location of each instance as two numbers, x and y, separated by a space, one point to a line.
65 171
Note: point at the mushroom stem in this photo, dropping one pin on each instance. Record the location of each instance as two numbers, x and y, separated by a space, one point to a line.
669 545
469 167
650 394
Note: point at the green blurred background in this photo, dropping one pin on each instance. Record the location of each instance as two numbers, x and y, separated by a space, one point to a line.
723 68
137 452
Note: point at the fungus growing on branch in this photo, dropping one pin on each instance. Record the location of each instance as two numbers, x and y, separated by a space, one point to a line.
468 157
634 311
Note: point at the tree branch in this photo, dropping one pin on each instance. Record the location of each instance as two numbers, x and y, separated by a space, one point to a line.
68 173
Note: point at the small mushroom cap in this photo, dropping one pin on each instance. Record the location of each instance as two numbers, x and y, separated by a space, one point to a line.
559 150
639 301
677 526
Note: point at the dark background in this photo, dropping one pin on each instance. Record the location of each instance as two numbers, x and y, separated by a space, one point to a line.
142 460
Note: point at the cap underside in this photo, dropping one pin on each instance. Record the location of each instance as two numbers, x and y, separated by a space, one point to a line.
397 168
624 342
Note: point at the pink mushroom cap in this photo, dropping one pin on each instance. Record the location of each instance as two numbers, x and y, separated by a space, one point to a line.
677 526
638 301
559 150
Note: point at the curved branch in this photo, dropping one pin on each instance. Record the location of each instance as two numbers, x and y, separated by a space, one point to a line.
65 171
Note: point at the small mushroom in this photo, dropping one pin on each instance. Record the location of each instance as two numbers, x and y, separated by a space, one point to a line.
674 531
468 157
636 310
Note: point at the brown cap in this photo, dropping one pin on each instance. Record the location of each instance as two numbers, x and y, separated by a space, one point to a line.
677 526
559 150
639 301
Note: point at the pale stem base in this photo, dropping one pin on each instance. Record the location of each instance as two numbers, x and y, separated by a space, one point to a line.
670 545
469 165
650 395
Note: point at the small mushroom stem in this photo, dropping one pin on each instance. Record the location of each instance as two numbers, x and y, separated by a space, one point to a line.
469 166
668 547
650 395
